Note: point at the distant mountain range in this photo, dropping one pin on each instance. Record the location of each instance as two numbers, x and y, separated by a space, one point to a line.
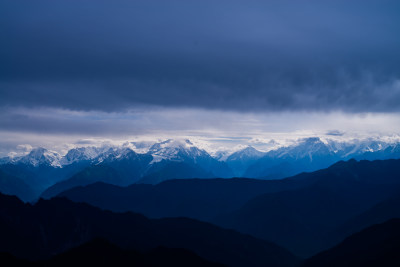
305 213
311 154
344 215
202 199
42 169
311 149
316 216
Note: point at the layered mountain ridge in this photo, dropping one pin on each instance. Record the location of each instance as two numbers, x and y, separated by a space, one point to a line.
148 163
179 150
306 213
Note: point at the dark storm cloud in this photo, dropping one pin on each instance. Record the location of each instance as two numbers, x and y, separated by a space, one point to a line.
334 133
236 55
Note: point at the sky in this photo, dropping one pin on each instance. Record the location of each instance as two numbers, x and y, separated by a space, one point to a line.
222 73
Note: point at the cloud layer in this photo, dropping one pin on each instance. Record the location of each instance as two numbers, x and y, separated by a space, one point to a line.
226 72
62 129
227 55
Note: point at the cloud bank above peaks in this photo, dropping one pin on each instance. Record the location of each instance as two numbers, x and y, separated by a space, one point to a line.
273 56
169 122
60 129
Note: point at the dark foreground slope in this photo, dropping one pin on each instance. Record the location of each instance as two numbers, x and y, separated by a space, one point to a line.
89 175
52 226
202 199
99 252
302 220
376 246
39 178
380 213
299 213
13 185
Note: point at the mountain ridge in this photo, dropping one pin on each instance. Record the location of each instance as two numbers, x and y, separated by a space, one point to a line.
179 159
53 226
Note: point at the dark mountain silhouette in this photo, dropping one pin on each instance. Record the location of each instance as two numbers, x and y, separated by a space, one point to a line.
100 252
92 174
379 213
40 177
378 245
202 199
168 170
6 259
126 170
12 185
53 226
296 212
301 219
299 212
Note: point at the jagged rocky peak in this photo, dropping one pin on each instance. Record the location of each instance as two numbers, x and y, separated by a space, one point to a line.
185 150
158 146
176 150
81 153
171 144
246 153
304 148
141 147
37 152
116 153
222 155
394 148
40 156
372 146
315 145
310 142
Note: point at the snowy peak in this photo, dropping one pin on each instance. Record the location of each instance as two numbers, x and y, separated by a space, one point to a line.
305 148
313 146
176 150
40 156
81 154
140 147
313 143
171 144
309 149
222 155
115 154
371 146
359 148
393 149
248 153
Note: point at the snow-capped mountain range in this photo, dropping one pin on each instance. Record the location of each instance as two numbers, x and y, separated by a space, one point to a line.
181 150
312 153
245 154
49 173
176 150
37 156
81 154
